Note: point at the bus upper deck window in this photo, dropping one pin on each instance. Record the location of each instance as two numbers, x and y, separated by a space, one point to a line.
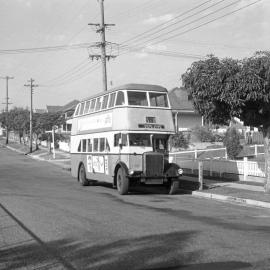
137 98
82 108
98 104
120 100
158 100
112 99
77 109
101 144
105 102
86 107
92 106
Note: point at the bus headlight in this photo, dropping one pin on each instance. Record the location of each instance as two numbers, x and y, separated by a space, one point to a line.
180 171
130 172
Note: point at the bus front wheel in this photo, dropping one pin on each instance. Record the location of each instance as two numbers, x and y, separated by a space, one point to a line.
122 181
82 176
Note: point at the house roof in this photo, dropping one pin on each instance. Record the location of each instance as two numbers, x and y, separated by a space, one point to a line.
67 107
179 99
53 109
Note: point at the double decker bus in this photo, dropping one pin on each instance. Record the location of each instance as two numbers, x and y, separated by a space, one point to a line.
121 137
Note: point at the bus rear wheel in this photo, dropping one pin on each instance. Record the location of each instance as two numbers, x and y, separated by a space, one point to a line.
173 187
82 176
122 181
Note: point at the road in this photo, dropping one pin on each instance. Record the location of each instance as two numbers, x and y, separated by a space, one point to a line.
48 221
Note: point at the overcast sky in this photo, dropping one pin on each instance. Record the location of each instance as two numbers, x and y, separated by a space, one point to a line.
157 41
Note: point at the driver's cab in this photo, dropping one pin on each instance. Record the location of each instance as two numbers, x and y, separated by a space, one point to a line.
141 142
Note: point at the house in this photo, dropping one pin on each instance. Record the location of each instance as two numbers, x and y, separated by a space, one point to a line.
184 114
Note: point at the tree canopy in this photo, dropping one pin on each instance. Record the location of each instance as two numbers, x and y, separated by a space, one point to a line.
227 88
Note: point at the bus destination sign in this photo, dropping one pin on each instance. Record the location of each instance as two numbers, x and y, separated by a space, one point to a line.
152 126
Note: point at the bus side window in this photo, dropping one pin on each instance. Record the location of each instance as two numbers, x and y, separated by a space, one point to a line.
89 145
83 145
117 136
123 138
92 106
120 100
105 102
107 146
82 108
95 145
112 99
86 108
77 109
101 144
80 146
98 105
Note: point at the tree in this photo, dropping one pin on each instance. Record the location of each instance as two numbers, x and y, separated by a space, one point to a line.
227 88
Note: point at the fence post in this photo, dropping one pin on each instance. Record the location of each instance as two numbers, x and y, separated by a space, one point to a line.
196 153
226 154
256 150
200 175
211 167
245 168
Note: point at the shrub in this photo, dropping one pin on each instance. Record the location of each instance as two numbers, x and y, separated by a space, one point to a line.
203 134
232 142
179 140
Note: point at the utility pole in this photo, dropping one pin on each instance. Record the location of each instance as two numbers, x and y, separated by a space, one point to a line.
31 85
7 78
101 28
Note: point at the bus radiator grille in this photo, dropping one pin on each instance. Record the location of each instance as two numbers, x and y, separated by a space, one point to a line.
153 164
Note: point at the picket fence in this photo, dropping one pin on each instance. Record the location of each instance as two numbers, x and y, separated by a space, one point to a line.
219 167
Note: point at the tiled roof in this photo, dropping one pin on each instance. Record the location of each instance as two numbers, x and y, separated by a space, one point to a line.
53 109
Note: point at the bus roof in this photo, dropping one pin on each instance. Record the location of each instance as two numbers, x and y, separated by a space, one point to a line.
131 86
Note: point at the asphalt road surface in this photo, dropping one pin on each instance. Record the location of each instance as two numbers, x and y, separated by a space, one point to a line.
48 221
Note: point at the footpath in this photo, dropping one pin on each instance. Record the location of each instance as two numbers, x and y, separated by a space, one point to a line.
247 193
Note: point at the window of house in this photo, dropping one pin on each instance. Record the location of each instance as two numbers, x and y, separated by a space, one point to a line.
158 100
137 98
92 105
95 145
112 100
120 100
86 107
105 102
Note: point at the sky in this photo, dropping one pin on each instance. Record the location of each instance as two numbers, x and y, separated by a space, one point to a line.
154 41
